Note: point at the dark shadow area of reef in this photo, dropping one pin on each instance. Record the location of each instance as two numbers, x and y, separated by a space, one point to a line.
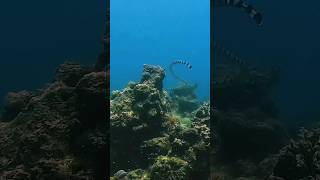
60 131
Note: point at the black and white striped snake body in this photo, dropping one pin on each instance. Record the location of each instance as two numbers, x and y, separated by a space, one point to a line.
241 4
186 63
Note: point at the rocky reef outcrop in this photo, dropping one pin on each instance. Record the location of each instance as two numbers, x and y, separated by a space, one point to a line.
184 98
148 142
300 159
58 132
137 114
245 121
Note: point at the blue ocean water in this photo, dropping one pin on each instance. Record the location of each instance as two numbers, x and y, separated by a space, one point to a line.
149 32
36 36
288 38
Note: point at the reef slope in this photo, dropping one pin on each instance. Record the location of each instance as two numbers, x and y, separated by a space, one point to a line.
58 132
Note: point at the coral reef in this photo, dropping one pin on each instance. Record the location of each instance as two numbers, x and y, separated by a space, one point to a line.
137 114
149 140
58 132
300 159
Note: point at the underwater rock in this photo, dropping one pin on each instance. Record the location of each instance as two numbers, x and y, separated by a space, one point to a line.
91 97
300 160
51 138
155 147
138 114
238 87
193 144
153 75
245 127
17 174
14 103
246 123
70 73
201 122
242 134
139 174
184 98
166 168
120 175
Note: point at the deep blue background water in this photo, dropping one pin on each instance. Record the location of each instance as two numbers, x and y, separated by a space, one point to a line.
36 36
289 38
159 32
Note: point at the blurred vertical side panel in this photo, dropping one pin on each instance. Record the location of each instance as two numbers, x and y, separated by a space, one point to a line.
106 59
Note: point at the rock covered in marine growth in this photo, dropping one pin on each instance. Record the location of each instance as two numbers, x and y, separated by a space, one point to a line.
190 144
246 118
242 87
300 160
70 73
14 103
201 122
245 123
56 134
137 114
153 75
184 98
170 168
249 133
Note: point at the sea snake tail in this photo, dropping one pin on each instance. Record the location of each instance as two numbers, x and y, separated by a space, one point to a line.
247 8
174 74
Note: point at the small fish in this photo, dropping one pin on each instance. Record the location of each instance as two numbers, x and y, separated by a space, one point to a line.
247 8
